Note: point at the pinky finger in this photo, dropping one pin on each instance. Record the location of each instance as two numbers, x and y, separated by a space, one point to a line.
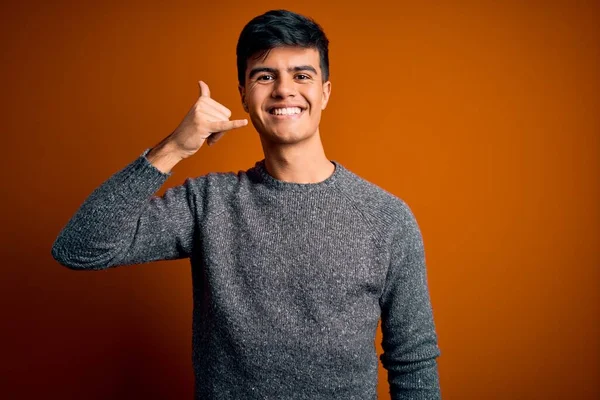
220 126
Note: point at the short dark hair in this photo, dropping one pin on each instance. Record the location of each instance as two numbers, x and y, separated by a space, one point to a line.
278 28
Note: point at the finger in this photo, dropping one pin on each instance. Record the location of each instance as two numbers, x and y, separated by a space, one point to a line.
208 107
221 126
214 137
220 107
213 115
204 90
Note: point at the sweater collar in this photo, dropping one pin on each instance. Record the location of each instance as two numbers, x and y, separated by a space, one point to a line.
260 171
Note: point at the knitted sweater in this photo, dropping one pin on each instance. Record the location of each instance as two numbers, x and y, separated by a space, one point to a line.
289 279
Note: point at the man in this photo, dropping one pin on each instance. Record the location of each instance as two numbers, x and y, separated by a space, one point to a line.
294 261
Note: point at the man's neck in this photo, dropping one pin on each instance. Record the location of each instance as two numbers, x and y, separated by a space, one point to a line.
304 162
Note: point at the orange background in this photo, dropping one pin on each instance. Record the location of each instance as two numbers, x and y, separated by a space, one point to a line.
483 117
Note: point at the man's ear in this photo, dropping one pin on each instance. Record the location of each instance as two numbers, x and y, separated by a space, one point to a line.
242 91
326 94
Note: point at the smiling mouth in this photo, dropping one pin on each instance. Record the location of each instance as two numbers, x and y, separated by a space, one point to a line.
286 112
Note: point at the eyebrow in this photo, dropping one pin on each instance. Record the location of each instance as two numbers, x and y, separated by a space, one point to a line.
298 68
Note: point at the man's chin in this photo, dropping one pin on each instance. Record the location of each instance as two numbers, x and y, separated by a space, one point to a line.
283 137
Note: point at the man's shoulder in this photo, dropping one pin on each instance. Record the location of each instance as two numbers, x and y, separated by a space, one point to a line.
213 191
219 179
374 200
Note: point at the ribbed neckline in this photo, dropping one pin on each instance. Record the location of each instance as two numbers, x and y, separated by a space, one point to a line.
271 182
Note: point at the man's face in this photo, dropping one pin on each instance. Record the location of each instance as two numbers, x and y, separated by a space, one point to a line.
285 94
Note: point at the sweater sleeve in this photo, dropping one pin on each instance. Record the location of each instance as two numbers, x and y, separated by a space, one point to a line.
122 221
409 339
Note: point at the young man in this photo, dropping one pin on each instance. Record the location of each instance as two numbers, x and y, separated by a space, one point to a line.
294 261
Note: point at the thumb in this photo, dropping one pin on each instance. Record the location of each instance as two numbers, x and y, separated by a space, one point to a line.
204 90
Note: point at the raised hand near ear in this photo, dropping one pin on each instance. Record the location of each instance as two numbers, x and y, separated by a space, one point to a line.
207 120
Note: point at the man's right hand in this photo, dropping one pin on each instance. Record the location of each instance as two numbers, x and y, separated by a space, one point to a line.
207 120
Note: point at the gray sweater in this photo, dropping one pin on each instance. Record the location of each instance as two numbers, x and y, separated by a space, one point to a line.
289 279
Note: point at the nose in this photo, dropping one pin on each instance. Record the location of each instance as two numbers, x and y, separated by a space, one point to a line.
284 87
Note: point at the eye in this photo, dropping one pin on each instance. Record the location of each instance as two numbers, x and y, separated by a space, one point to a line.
264 78
302 77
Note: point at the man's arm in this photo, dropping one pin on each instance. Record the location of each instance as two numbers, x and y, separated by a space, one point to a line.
409 339
122 222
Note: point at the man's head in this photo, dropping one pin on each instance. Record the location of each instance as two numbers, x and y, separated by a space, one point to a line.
279 28
283 74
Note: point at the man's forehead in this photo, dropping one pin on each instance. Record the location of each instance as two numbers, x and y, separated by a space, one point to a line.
286 58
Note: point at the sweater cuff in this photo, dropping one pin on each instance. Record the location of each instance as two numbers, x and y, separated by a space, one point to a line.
144 160
139 179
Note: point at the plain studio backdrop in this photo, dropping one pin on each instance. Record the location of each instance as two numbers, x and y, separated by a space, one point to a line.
483 117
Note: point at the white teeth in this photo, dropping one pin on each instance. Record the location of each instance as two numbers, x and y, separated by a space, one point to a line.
286 111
